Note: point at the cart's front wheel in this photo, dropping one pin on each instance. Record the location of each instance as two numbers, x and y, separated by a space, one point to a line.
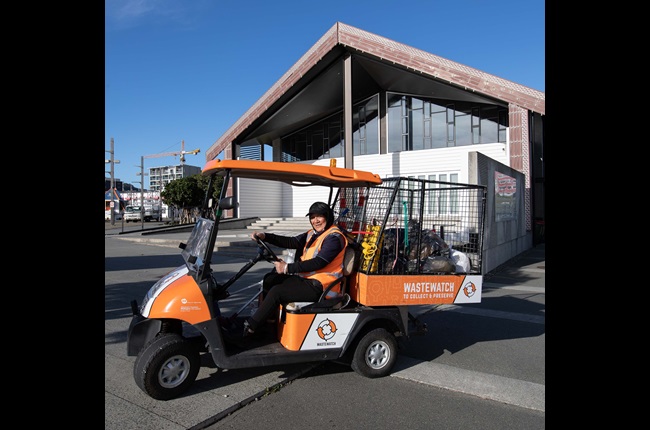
375 354
167 366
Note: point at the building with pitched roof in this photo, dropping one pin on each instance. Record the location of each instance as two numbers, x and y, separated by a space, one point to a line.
408 112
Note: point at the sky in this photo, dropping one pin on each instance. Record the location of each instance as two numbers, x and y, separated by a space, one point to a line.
186 70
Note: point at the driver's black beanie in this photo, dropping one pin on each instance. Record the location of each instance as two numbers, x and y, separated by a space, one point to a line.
322 208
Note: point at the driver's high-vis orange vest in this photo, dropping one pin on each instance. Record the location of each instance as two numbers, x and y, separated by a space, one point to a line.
333 270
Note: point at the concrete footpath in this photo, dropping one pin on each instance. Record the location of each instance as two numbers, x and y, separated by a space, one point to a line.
219 393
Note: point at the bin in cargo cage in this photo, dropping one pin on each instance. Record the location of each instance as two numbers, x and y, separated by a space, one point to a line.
421 240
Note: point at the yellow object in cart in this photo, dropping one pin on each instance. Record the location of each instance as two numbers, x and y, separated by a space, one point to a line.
369 246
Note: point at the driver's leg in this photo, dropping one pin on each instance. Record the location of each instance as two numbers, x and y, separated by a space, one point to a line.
293 289
271 279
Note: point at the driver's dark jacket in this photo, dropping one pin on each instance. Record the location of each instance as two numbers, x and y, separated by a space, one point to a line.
332 246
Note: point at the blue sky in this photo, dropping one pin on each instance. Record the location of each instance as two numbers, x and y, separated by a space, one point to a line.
186 70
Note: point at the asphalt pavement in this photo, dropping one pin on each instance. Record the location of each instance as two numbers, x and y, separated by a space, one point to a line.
505 370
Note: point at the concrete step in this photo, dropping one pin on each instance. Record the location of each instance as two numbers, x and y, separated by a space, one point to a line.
245 249
281 224
288 219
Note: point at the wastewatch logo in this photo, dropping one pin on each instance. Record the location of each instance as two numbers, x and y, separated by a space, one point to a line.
326 329
469 289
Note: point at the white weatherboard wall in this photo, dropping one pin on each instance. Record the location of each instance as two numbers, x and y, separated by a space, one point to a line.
267 199
426 162
261 198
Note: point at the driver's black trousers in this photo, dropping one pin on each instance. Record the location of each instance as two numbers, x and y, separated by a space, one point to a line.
280 288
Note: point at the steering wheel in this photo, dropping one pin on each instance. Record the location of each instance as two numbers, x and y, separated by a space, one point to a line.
272 256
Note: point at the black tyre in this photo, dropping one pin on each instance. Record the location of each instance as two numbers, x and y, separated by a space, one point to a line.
167 366
375 354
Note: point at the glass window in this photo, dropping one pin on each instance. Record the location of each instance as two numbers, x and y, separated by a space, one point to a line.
441 202
422 123
417 125
395 127
489 124
439 128
413 123
503 117
453 194
431 203
325 139
476 126
451 126
442 198
463 129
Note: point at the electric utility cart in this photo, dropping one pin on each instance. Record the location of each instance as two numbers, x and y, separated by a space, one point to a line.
410 242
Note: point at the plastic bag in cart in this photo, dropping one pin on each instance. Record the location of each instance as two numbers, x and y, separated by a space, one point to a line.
461 261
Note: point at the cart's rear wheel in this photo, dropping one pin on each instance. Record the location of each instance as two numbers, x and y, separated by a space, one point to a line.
167 366
375 354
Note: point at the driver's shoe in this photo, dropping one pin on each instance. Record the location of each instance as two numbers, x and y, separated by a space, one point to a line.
248 331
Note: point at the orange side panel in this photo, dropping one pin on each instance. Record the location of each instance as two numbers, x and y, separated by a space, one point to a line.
389 290
181 300
293 330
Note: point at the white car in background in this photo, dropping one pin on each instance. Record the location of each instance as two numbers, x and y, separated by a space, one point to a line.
107 216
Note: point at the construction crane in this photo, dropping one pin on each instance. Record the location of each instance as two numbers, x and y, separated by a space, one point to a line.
175 153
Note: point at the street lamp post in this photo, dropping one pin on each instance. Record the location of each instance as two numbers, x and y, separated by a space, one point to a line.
113 161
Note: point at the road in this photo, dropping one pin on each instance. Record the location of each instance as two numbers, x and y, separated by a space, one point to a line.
480 366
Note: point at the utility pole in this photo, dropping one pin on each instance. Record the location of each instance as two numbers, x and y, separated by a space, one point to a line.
141 174
112 160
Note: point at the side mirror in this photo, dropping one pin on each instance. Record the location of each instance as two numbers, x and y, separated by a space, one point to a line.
227 203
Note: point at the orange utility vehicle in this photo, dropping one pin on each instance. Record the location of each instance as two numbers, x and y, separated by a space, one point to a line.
410 242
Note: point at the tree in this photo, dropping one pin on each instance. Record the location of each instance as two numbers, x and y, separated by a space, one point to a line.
187 194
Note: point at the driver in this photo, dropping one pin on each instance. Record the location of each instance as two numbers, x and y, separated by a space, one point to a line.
319 254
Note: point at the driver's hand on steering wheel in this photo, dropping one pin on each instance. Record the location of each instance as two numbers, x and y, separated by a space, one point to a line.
258 234
281 266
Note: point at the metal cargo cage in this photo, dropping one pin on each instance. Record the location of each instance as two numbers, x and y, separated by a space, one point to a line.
410 226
